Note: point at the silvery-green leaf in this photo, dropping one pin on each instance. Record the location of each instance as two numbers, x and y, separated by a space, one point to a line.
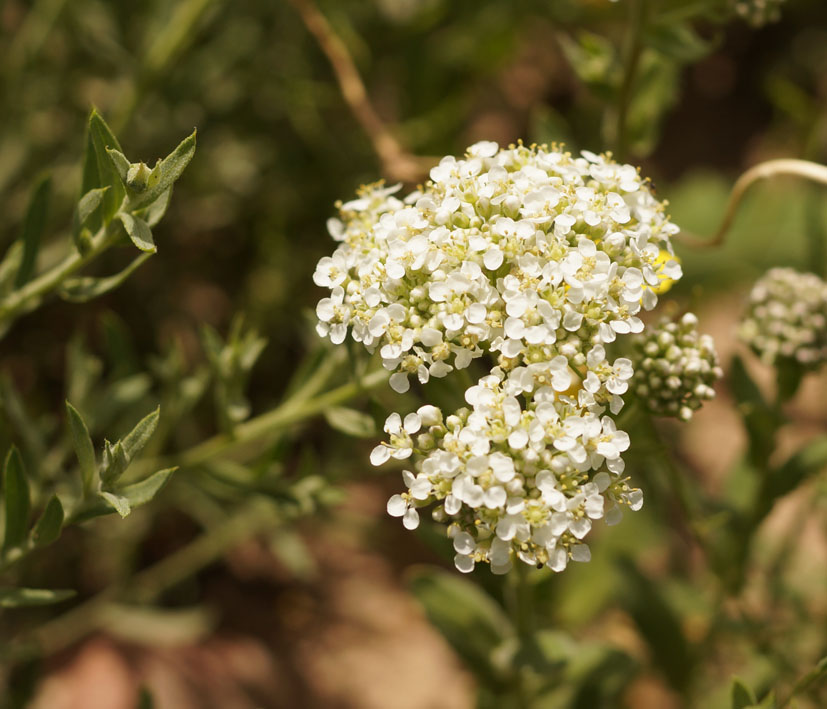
126 498
136 439
98 170
86 288
155 211
117 502
142 492
119 161
84 449
165 173
138 231
84 210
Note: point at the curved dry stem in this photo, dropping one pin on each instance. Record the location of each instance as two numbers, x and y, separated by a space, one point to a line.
397 162
771 168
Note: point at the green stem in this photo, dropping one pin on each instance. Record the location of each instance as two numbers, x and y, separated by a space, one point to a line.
631 63
28 297
520 604
290 412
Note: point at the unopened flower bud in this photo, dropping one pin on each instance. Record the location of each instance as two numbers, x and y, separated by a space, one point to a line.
137 177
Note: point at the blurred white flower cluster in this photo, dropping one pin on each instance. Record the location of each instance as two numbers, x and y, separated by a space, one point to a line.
675 367
532 260
759 12
787 318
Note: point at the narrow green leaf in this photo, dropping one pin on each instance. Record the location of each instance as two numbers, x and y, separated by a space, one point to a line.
98 170
117 502
165 173
34 225
156 211
742 696
17 503
84 210
48 527
84 449
469 619
115 462
86 288
350 422
138 231
20 597
142 492
126 498
119 161
136 439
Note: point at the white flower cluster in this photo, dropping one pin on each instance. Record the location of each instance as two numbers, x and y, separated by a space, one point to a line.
675 368
787 318
758 12
525 470
524 252
534 259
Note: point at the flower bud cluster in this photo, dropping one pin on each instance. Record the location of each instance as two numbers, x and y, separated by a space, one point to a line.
787 318
675 368
536 259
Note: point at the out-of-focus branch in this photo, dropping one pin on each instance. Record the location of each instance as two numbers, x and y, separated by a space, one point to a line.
772 168
397 162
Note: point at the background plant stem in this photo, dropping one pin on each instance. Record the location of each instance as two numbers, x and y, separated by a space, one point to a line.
631 62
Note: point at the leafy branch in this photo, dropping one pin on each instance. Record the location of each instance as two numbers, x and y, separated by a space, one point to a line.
120 202
99 492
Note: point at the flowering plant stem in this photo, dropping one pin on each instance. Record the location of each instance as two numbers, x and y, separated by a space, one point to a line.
29 296
294 410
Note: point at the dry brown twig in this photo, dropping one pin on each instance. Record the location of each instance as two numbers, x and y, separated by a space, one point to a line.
398 164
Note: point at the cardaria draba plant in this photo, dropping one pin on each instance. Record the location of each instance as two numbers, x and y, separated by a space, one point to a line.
534 262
